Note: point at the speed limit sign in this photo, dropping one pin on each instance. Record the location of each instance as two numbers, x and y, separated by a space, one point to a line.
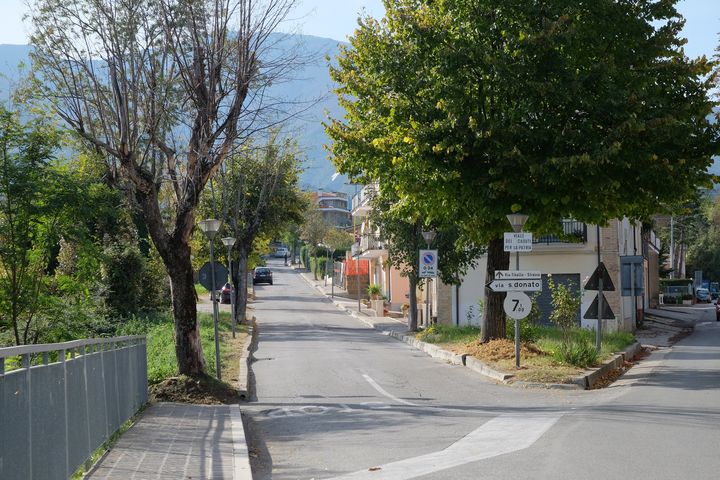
517 305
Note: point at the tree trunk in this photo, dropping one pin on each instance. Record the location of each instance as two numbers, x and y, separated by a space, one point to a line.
413 312
188 349
175 253
241 284
494 314
315 264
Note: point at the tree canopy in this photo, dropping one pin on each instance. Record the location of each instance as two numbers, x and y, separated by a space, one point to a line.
470 110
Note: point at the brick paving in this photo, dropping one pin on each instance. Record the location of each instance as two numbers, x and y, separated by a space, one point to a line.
175 441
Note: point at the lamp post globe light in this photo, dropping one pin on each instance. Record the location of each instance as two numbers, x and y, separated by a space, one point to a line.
229 242
429 236
517 221
210 228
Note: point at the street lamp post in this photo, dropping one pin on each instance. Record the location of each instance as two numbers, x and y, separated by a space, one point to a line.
429 236
517 220
229 242
210 228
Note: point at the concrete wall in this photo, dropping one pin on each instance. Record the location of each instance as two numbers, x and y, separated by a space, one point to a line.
399 287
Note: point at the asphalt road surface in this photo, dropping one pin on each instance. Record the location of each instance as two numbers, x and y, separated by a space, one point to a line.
338 400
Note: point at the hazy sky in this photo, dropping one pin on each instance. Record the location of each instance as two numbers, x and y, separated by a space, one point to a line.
337 19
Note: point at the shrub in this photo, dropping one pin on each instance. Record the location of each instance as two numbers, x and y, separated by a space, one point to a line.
579 353
565 307
529 331
374 291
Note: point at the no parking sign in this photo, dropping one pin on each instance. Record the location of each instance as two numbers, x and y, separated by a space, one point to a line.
428 263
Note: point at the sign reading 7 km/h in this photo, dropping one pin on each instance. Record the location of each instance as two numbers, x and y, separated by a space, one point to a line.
517 305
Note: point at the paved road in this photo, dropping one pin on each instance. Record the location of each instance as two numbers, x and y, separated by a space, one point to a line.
336 399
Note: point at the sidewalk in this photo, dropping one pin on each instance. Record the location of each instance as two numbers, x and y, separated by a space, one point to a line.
344 301
174 441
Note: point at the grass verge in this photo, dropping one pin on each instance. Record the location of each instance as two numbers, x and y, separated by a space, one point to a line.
165 384
538 358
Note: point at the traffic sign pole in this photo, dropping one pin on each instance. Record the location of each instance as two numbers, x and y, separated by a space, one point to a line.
598 332
517 320
213 295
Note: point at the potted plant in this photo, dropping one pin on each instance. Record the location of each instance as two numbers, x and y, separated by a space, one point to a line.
378 304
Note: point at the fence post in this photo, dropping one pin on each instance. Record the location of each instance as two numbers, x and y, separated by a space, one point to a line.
26 365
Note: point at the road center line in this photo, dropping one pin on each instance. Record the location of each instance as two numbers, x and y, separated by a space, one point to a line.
501 435
377 387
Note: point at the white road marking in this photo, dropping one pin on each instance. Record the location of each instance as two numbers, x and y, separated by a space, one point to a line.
501 435
377 387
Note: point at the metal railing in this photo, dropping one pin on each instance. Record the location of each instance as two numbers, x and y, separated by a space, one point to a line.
364 196
65 400
372 242
573 232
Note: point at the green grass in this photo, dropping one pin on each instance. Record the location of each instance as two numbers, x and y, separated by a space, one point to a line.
161 348
201 290
550 338
448 334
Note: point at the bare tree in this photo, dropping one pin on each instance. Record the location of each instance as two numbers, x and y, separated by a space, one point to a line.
165 89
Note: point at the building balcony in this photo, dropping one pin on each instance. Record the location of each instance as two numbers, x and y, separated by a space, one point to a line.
372 246
573 233
361 202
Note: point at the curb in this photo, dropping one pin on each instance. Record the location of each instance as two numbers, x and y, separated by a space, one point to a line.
582 382
246 359
588 380
241 456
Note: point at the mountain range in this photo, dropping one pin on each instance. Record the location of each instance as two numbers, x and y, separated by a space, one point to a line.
309 87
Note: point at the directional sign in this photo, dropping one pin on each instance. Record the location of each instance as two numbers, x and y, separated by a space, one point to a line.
517 305
428 263
518 242
515 285
517 275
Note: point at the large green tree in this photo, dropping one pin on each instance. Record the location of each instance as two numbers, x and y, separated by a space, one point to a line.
470 110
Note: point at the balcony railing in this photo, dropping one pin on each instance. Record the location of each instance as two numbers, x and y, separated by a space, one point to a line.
364 196
573 232
372 242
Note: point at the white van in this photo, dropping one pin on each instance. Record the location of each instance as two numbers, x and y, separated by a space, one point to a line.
281 252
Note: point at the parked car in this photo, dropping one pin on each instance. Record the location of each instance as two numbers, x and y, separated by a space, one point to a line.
703 295
223 295
262 275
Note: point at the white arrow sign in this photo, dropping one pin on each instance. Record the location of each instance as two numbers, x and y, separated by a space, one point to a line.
516 285
517 275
